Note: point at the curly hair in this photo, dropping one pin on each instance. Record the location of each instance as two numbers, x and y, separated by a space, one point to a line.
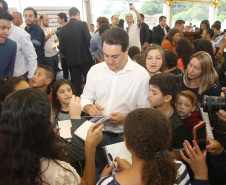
152 129
26 137
56 103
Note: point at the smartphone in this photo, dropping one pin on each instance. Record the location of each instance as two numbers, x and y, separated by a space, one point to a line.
130 4
200 135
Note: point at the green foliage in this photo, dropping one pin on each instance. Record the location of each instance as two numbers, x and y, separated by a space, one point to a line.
151 7
221 18
107 9
179 7
222 8
201 12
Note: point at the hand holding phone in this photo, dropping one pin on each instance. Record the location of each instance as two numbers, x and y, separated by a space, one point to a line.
200 135
130 4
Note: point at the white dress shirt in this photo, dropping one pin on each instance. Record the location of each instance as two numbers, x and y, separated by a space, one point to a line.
134 36
122 92
164 29
92 33
50 51
26 58
23 25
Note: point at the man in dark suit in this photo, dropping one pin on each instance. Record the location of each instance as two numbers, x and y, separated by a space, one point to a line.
74 43
144 33
160 31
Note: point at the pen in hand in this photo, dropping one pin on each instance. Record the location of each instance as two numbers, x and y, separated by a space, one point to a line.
109 155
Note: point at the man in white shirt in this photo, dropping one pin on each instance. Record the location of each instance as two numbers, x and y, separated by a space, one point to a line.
18 20
133 29
26 58
114 87
51 42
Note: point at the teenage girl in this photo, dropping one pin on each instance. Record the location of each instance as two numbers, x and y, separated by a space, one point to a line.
61 96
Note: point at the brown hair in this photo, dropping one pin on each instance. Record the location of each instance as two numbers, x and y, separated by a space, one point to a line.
152 129
184 50
116 36
102 20
188 94
209 74
168 83
48 71
7 86
179 22
171 58
171 33
217 26
162 51
56 102
161 18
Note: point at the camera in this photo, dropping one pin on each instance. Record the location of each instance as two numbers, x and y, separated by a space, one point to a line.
213 103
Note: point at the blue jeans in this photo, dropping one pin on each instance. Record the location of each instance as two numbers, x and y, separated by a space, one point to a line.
100 160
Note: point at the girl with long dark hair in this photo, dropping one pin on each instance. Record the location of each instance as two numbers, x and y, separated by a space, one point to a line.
29 153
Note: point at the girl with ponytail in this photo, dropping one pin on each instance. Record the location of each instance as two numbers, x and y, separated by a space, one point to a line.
147 135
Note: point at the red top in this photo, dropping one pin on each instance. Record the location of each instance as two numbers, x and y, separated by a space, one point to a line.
180 65
192 120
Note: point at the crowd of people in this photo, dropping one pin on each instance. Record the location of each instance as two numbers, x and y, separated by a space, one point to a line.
152 84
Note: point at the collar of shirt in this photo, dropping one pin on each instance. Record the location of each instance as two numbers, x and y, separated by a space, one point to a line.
31 28
73 19
47 30
171 113
128 67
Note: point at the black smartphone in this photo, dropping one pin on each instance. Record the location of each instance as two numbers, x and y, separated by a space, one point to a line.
130 4
200 135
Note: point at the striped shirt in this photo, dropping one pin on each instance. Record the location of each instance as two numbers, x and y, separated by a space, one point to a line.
182 177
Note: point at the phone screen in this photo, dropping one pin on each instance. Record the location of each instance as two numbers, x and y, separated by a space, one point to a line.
201 135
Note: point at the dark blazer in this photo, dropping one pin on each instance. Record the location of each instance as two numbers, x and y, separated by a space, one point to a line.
158 34
75 42
144 33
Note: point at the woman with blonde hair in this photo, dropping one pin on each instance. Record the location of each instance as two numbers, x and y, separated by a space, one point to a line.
154 59
200 77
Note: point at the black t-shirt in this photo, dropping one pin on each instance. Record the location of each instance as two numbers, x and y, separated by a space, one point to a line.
179 133
176 71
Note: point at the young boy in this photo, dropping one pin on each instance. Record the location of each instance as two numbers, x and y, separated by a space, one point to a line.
185 106
163 90
42 78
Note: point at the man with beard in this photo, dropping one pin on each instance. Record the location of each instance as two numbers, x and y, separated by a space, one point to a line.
36 32
51 57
